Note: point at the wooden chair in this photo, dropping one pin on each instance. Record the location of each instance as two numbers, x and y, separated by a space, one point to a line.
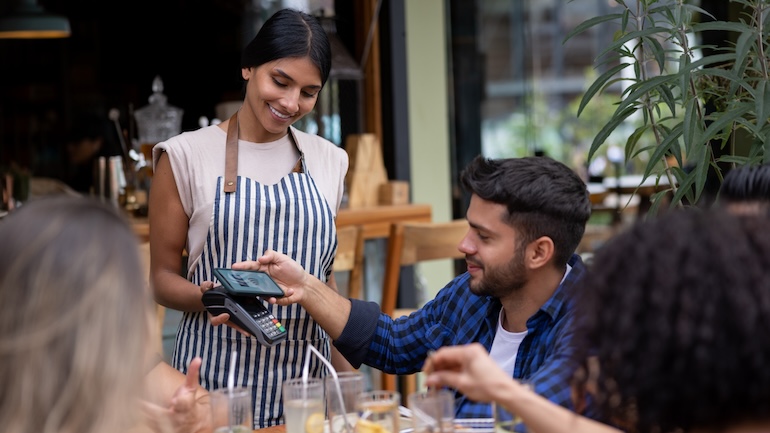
350 258
408 244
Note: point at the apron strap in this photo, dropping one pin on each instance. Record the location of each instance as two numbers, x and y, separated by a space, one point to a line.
299 167
231 154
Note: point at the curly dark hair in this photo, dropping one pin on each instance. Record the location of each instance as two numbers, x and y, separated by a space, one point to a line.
543 196
678 310
746 189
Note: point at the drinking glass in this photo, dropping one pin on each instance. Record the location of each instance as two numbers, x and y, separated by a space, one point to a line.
433 411
231 411
303 405
378 412
341 400
506 421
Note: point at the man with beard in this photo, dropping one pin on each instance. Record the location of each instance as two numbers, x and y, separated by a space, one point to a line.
526 217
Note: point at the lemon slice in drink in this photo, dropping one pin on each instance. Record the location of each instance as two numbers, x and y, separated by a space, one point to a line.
366 426
315 423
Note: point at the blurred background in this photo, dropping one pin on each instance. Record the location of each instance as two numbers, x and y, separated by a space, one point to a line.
497 77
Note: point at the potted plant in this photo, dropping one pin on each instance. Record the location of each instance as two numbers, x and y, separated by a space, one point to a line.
704 108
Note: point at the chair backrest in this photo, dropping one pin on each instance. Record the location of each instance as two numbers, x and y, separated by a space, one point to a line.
350 257
408 244
411 243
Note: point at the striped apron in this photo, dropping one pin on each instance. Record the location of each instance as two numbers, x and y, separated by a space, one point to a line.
291 217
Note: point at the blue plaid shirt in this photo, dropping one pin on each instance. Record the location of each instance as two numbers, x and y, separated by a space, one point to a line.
456 316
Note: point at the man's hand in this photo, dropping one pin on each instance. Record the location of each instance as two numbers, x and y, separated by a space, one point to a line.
323 303
468 369
289 275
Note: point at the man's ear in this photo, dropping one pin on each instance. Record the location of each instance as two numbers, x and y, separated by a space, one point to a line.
539 252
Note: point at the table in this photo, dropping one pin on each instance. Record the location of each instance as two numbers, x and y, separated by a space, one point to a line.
274 429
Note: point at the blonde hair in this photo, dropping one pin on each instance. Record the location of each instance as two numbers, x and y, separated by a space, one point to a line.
75 319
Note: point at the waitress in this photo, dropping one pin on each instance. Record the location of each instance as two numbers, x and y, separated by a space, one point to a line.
226 193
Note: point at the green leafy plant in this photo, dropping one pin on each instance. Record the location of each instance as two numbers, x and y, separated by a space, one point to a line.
705 107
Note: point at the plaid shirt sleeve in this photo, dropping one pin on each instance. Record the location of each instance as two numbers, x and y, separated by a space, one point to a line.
400 346
357 334
454 316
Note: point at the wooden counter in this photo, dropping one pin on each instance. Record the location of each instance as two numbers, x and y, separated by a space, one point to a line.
374 220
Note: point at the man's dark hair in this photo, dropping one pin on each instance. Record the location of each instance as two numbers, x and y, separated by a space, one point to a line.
543 197
678 310
746 184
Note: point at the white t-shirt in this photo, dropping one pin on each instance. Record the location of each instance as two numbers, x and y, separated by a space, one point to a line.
505 346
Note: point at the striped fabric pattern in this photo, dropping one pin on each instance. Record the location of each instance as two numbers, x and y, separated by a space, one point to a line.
291 217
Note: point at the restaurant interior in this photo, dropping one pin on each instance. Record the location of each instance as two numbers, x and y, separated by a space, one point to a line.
417 89
421 87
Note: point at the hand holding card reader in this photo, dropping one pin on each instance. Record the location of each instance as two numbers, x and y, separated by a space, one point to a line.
238 297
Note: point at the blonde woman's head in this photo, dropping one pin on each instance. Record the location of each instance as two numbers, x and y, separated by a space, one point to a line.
74 318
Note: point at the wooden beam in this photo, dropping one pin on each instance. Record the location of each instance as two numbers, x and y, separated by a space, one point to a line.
372 99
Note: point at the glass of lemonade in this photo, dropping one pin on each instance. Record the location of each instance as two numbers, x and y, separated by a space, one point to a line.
231 410
507 422
378 412
303 405
433 411
341 398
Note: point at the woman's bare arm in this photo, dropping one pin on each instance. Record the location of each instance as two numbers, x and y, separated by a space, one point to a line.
168 234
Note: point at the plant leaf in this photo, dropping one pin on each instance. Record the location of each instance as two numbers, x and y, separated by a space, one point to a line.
598 84
684 187
722 26
587 24
691 121
620 41
658 51
762 103
605 132
661 149
633 139
724 119
637 90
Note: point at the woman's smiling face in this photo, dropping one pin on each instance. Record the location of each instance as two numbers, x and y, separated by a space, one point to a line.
280 93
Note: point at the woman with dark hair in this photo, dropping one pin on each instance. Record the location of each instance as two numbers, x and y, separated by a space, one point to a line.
229 192
677 313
